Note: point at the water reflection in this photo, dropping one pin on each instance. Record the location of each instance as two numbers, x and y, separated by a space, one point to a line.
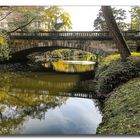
77 116
35 103
70 66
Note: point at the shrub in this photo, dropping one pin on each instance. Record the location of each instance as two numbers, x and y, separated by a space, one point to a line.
114 57
113 72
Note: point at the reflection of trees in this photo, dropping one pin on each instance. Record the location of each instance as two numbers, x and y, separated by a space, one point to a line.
10 126
20 106
15 107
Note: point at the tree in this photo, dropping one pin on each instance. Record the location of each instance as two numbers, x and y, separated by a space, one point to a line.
4 15
31 18
120 16
57 19
22 17
16 18
115 32
19 18
135 17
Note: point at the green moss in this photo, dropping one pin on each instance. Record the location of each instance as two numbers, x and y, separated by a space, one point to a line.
121 113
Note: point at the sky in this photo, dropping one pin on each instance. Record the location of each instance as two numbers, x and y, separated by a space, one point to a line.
83 16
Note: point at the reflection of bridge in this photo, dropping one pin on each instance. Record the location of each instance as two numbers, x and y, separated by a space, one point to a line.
48 88
47 93
78 95
98 42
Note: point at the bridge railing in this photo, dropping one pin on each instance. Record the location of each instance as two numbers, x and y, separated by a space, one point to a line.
68 33
71 34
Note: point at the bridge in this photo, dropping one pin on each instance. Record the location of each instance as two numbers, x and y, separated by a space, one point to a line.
97 42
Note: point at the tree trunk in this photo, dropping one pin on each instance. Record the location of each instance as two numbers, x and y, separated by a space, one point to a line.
115 32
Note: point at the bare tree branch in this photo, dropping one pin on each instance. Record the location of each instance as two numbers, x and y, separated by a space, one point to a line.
5 16
22 26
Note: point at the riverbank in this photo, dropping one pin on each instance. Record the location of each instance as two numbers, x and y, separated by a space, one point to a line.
118 84
121 112
20 66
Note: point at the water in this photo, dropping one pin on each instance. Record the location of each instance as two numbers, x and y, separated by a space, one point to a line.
76 116
71 66
46 103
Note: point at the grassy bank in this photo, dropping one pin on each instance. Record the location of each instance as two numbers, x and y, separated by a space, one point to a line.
119 83
121 113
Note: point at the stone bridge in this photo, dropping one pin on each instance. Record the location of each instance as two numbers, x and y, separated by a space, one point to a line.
97 42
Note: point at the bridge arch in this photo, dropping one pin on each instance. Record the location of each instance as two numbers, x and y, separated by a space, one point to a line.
20 52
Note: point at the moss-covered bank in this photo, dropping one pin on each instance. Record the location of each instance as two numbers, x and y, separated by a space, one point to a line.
120 92
121 112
